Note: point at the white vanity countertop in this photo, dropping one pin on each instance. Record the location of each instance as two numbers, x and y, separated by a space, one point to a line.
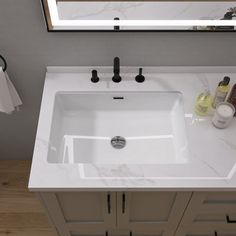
212 152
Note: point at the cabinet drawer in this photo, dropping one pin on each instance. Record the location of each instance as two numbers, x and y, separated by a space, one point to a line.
209 214
215 201
215 217
206 232
220 197
211 208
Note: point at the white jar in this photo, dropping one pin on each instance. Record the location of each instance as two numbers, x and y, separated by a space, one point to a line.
224 114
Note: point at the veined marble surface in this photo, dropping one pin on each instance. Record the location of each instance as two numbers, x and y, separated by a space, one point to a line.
143 10
211 163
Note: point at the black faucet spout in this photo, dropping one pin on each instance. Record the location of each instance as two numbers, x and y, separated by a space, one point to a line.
116 65
116 69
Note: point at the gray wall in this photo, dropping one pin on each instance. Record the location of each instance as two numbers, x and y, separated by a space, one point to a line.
28 48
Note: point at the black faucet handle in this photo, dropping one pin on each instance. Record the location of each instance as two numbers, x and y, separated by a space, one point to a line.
140 78
95 77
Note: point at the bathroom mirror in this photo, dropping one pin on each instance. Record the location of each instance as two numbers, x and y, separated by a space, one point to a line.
139 15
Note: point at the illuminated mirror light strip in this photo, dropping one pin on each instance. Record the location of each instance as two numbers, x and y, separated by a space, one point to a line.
146 22
52 6
74 24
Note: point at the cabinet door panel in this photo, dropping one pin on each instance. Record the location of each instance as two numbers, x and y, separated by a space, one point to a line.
151 211
81 212
82 207
118 232
150 207
139 232
83 234
89 233
157 233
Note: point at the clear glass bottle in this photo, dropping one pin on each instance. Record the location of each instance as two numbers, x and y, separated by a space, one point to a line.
203 103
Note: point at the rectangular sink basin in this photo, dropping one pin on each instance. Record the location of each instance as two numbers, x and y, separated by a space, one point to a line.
118 128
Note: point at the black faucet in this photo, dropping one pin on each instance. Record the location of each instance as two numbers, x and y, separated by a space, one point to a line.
116 69
140 78
95 77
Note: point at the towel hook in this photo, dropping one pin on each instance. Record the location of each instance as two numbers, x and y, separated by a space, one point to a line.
4 62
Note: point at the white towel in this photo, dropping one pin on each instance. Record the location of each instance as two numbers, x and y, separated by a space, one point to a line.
9 98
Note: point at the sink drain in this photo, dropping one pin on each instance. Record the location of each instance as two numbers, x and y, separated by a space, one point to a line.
118 142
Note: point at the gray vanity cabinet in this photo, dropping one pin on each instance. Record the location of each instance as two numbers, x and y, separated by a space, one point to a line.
111 213
209 214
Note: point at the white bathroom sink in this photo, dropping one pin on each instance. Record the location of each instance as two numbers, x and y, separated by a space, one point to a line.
163 144
151 126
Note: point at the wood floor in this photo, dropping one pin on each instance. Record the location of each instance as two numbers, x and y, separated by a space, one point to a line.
21 213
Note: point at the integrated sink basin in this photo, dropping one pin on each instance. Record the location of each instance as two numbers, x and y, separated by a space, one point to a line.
118 128
130 135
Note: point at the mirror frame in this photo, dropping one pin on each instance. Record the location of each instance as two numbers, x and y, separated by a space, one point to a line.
50 28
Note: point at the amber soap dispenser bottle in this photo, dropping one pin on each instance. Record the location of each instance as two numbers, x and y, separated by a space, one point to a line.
232 97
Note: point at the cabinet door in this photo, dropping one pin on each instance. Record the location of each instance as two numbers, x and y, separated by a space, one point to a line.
155 213
81 212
